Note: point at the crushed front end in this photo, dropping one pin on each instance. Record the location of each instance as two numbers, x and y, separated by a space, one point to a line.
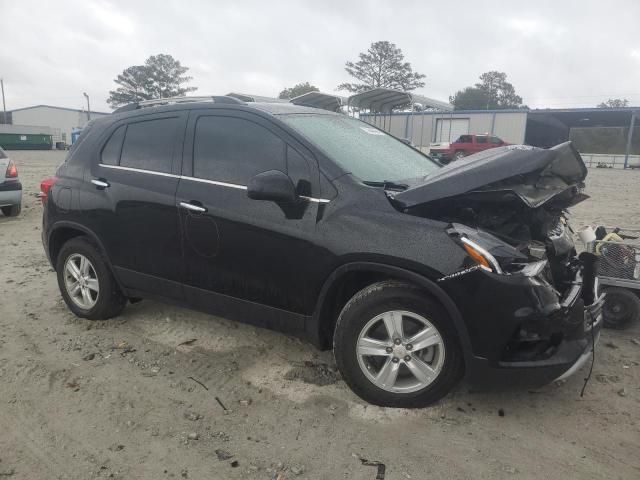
533 310
531 305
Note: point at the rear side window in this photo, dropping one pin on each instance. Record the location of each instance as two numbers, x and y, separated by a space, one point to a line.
233 150
480 139
111 150
149 145
496 140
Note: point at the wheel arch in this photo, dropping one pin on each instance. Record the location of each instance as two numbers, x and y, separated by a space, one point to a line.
320 326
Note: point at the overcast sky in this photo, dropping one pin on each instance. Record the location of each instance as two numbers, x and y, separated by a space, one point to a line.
556 53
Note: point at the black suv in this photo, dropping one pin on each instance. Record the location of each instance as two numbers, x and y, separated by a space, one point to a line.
318 224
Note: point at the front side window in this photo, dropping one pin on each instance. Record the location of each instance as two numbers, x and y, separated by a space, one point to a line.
232 150
366 152
111 150
149 144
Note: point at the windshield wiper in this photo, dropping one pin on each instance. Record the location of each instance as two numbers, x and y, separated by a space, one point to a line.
387 185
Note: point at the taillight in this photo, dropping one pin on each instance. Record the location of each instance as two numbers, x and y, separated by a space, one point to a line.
45 187
12 171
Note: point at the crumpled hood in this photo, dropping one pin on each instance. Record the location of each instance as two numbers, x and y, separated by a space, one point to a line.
534 175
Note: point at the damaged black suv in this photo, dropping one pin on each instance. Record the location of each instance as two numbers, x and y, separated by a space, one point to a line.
323 226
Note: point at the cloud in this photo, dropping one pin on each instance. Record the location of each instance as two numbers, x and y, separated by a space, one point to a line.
555 53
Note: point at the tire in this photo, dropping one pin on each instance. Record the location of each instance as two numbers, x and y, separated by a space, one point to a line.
459 155
358 322
105 302
11 210
621 308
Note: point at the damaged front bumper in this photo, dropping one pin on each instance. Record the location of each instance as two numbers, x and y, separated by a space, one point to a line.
523 332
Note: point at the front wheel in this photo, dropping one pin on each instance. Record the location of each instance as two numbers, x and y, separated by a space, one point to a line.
396 347
459 155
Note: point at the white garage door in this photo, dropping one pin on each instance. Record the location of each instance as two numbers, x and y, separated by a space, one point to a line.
449 129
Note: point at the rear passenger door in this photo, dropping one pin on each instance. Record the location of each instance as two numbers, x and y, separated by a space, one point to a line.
130 201
241 252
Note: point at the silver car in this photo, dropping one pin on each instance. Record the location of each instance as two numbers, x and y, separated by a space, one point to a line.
10 186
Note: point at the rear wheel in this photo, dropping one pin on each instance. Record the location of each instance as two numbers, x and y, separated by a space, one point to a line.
621 308
396 347
86 282
11 210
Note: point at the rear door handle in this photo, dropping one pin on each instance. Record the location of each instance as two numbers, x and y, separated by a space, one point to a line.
193 207
100 183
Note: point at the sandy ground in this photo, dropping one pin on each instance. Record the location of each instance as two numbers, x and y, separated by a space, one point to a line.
124 399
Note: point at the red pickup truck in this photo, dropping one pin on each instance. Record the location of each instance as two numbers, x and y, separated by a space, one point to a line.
465 145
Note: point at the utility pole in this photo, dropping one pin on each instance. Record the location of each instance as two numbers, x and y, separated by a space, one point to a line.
4 107
88 106
629 139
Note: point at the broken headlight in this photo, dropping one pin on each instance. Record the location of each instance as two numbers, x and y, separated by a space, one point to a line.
494 255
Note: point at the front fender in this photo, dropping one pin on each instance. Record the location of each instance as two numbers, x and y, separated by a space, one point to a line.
315 323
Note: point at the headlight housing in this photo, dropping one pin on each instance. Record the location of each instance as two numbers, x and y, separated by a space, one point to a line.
493 255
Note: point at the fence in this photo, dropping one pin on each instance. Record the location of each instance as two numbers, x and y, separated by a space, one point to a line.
610 161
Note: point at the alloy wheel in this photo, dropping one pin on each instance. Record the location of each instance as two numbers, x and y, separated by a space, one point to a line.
400 351
81 281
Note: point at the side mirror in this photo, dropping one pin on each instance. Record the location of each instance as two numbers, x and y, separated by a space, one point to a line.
272 185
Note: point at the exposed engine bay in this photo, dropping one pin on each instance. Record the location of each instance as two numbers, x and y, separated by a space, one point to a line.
517 194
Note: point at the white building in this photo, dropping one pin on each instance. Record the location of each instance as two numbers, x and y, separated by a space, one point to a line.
60 120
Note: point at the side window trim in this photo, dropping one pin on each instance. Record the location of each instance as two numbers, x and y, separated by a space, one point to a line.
186 170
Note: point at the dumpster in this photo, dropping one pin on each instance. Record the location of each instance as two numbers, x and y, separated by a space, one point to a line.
26 141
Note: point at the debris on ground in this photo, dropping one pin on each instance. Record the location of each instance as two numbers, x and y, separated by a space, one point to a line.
315 373
116 447
245 403
7 473
199 383
89 356
193 416
635 341
622 392
191 341
73 385
221 404
235 464
223 454
611 345
297 469
501 412
381 467
193 436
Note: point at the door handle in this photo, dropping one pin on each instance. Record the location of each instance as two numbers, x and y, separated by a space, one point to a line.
192 207
100 183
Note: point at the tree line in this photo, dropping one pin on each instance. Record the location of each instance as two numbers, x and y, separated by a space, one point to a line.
382 65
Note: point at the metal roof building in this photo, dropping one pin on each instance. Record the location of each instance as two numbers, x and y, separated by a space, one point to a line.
595 131
62 121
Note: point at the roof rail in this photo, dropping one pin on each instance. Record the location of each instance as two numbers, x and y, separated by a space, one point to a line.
224 99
